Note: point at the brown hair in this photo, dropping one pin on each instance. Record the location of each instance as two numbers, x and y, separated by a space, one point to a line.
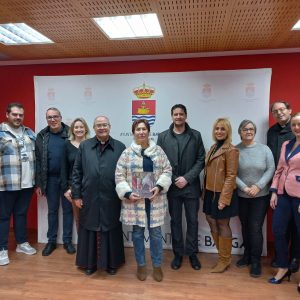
139 121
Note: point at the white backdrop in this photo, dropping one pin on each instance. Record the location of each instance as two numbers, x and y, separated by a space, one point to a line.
236 94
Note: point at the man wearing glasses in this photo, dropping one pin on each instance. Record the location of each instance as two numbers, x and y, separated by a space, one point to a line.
17 172
49 145
277 134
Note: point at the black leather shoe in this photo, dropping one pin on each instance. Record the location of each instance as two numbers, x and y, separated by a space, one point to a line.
294 265
90 271
70 249
298 289
49 248
255 269
111 271
243 262
195 263
176 262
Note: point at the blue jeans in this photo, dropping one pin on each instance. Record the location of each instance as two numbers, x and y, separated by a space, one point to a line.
14 203
138 239
54 194
191 206
252 212
287 208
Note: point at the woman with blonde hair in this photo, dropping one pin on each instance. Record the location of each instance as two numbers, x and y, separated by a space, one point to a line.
220 197
285 199
78 132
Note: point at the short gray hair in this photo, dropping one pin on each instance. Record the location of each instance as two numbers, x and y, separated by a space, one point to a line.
244 123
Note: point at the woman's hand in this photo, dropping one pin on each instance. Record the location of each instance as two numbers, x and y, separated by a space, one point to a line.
78 203
68 195
39 193
299 209
155 192
134 198
254 190
273 201
221 206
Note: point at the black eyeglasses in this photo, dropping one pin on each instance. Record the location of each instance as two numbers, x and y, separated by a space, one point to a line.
55 117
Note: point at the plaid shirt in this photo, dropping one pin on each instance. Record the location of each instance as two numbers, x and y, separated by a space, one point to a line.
10 158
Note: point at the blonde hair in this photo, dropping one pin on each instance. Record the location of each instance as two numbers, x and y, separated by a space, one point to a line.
87 130
226 124
297 114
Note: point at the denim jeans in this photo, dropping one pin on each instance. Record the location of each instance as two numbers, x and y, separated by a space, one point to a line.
287 208
252 212
191 206
138 239
54 194
14 203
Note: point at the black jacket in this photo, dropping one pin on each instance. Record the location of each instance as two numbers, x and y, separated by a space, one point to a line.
93 181
276 136
41 148
188 164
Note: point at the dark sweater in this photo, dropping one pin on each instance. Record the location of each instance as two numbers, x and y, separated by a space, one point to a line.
67 162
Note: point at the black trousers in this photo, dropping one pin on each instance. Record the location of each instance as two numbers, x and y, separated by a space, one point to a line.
252 212
191 206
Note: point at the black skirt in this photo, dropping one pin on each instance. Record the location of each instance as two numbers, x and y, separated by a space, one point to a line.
98 249
210 205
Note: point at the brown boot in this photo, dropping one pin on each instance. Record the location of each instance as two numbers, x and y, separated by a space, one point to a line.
141 273
215 237
225 245
157 274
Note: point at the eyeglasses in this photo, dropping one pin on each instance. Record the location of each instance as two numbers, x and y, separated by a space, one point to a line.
104 125
248 129
55 117
278 111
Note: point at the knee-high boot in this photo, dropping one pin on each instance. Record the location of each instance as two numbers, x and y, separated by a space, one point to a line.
225 245
215 237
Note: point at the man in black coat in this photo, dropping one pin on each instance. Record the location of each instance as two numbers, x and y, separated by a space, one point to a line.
184 148
100 236
276 136
49 148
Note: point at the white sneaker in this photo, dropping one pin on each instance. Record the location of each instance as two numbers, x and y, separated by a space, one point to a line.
25 248
4 260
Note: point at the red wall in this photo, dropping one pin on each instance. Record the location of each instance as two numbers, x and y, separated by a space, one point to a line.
16 82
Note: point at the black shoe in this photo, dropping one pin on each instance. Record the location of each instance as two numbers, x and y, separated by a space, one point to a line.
49 248
255 269
287 275
274 264
111 271
298 289
90 271
243 262
294 265
195 263
70 249
176 262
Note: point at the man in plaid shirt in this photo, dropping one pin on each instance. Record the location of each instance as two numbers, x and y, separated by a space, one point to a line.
17 173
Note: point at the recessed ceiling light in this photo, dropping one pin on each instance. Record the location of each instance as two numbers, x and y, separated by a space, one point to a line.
130 27
296 26
21 34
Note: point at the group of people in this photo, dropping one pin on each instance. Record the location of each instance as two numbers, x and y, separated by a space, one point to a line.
95 180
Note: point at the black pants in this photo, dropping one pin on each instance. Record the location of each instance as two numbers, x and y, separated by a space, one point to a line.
16 204
191 206
252 212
